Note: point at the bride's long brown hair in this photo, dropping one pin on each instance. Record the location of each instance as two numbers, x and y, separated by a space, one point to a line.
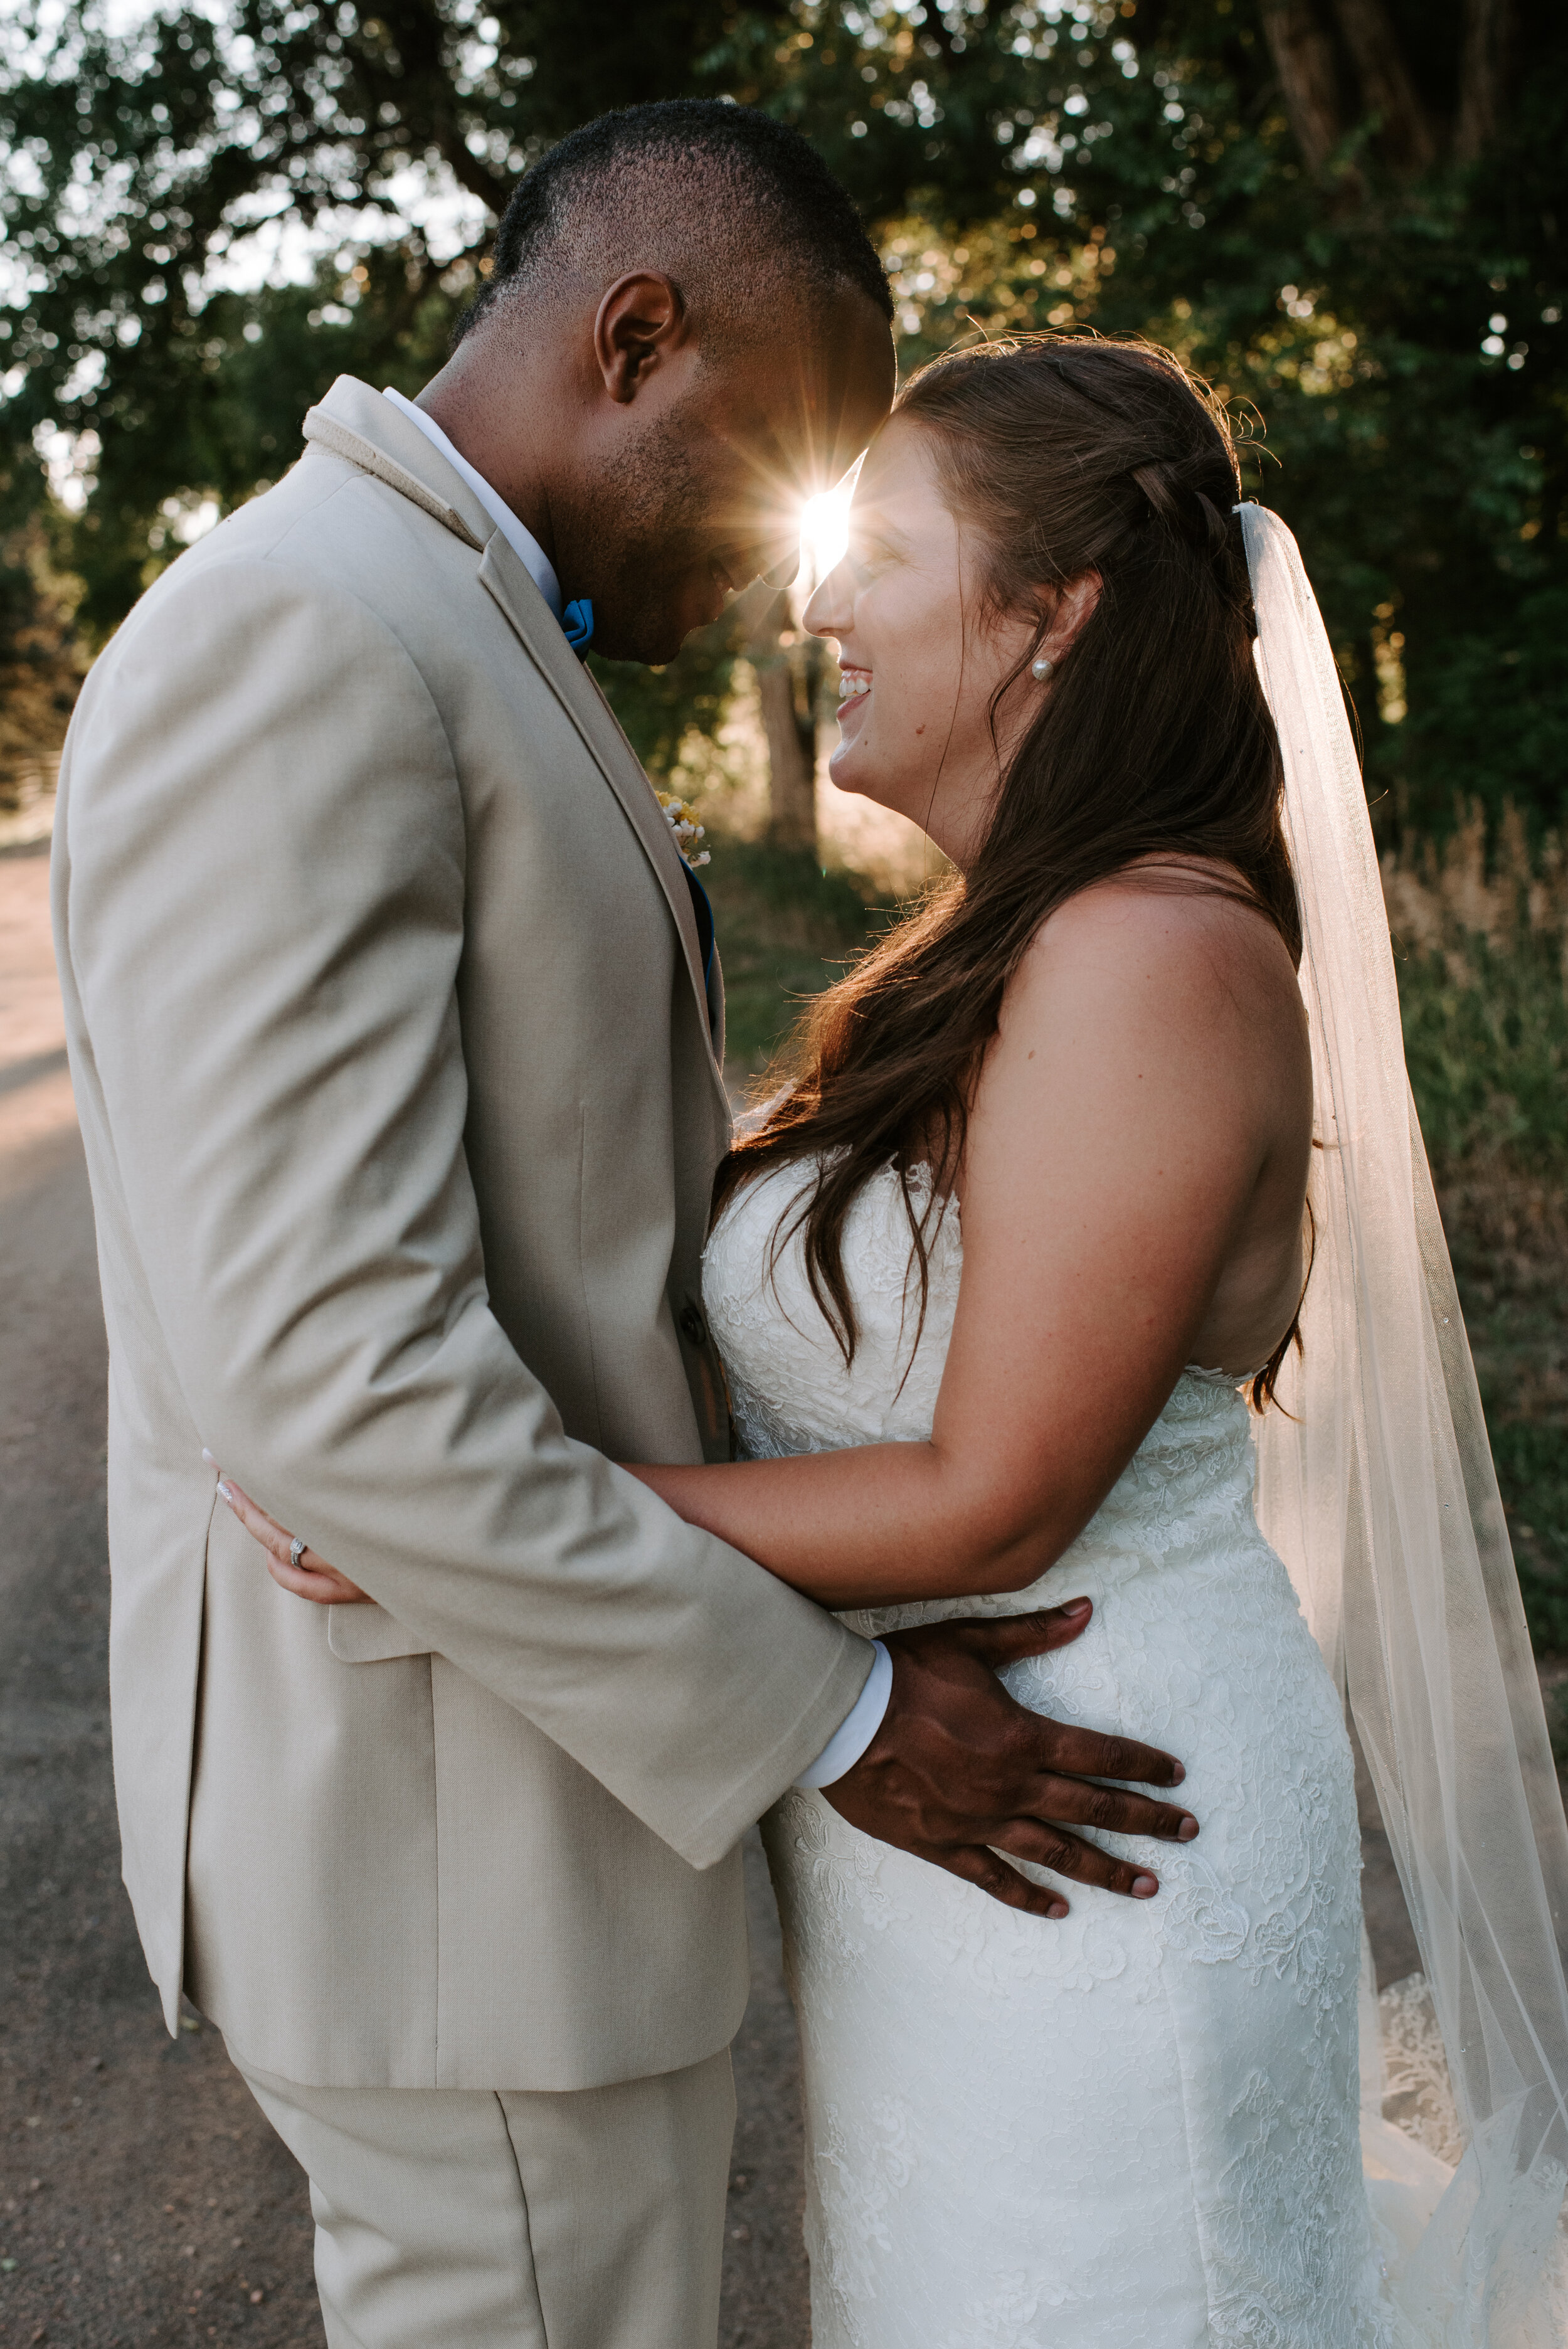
1154 742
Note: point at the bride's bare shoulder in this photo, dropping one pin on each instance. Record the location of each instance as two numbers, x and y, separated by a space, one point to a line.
1185 913
1171 948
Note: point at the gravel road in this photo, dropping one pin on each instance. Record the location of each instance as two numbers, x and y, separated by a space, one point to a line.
143 2201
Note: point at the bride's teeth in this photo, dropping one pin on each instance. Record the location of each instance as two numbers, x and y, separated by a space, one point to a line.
851 684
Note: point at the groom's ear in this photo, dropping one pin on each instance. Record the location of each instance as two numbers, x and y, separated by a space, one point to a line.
642 324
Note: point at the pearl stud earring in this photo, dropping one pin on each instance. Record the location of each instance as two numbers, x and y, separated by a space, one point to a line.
1041 667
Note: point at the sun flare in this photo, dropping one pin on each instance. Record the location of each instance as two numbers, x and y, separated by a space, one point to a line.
825 529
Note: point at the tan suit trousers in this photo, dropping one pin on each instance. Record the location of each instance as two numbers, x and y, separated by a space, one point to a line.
591 2219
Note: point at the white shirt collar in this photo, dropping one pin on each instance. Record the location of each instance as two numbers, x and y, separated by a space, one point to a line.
523 543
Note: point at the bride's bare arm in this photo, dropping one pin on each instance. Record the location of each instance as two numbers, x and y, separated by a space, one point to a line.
1147 1085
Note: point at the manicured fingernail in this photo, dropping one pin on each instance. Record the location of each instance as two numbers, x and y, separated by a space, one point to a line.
207 1456
1178 1775
1145 1887
1078 1607
1058 1908
1187 1829
227 1491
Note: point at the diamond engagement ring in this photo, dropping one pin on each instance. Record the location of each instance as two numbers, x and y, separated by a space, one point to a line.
298 1549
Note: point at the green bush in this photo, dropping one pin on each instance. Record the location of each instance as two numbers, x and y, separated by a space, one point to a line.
786 929
1532 1471
1485 1043
1481 940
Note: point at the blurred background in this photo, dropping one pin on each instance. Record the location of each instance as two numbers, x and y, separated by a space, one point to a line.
1348 214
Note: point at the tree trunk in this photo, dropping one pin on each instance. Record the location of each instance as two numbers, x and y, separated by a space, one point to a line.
1304 60
1484 69
786 689
1406 137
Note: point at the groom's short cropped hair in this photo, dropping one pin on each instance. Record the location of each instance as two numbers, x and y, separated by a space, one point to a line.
737 207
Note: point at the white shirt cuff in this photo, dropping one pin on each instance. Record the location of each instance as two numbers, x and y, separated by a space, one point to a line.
855 1731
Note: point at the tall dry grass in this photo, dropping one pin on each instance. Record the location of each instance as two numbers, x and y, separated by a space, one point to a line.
1480 933
1482 943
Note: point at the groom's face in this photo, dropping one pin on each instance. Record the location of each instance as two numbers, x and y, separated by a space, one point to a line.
699 491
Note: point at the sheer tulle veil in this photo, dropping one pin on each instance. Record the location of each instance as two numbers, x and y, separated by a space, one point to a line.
1378 1491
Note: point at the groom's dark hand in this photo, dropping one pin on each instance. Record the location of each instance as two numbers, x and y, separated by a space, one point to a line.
959 1771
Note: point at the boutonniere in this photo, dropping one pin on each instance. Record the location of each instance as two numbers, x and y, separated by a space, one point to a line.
681 817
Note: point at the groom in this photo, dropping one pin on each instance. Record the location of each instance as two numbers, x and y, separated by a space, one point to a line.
394 1021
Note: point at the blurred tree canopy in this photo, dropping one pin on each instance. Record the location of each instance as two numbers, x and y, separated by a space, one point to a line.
1348 213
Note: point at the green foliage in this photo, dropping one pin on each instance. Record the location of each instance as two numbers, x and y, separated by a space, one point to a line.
1146 166
659 707
1485 1043
786 929
1418 454
138 156
1532 1470
1510 1259
41 664
1480 941
1491 717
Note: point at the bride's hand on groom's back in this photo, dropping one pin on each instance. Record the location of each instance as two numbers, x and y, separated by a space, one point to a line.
307 1575
958 1772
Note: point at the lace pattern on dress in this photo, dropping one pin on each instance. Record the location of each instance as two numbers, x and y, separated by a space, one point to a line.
1026 2135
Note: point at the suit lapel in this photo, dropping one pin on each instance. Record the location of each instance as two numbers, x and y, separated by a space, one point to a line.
355 423
579 695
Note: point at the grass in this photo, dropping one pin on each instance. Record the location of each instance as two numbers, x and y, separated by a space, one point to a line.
1508 1236
1482 943
785 929
1485 1043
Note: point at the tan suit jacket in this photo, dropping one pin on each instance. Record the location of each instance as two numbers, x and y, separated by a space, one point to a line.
395 1076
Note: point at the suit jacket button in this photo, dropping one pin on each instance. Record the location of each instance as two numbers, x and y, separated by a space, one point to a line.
691 1325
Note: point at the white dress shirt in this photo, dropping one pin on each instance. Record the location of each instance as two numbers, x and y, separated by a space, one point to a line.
861 1725
857 1729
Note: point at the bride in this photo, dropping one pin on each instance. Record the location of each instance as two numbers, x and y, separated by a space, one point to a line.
1013 1282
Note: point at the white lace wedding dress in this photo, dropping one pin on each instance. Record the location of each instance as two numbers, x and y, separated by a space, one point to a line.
1136 2128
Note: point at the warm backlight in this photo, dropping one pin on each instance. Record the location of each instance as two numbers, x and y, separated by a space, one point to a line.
825 531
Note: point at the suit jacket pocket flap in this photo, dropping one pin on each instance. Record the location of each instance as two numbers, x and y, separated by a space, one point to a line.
366 1634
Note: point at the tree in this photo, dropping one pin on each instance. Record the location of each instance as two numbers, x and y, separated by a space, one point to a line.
789 667
140 161
1346 212
41 660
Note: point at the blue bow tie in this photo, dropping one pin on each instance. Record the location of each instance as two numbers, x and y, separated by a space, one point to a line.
577 626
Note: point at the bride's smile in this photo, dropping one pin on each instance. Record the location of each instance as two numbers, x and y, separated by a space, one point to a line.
956 682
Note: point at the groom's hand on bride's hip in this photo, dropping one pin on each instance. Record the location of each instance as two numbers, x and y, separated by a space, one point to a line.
959 1773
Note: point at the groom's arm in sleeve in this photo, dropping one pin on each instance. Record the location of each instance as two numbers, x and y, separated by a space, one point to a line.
264 923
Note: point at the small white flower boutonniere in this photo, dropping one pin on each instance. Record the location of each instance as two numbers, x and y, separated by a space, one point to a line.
681 817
